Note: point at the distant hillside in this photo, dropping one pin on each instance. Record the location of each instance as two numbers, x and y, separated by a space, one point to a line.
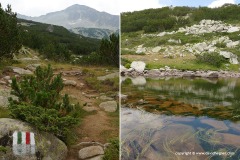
93 32
55 40
168 18
78 16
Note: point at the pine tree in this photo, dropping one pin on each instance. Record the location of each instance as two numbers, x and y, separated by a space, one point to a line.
10 37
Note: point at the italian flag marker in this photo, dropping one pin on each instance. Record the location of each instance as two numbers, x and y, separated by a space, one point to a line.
23 143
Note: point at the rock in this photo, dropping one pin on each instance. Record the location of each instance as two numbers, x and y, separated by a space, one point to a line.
105 98
233 29
200 47
234 60
140 49
212 75
4 95
48 145
97 158
138 81
90 152
3 82
215 124
89 109
138 66
232 44
32 67
122 68
109 76
70 83
161 34
109 106
21 70
156 49
7 78
175 41
225 54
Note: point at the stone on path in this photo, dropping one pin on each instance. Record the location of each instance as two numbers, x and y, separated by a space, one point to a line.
109 106
90 152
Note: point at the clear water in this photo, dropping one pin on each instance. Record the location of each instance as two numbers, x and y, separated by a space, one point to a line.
174 118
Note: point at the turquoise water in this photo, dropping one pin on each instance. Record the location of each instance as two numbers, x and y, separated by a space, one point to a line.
180 119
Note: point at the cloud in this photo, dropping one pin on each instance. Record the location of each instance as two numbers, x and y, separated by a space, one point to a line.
219 3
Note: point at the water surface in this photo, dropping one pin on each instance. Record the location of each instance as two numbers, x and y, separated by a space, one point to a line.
174 118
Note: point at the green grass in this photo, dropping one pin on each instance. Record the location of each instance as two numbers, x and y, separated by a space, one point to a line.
4 113
112 151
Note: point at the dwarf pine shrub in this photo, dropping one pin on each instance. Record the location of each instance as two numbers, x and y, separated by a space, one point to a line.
40 103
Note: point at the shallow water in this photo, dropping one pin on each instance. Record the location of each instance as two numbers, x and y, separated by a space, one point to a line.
180 119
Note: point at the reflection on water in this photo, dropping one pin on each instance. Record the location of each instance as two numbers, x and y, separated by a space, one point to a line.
180 119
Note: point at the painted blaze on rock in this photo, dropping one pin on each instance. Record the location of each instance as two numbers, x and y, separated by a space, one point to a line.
23 143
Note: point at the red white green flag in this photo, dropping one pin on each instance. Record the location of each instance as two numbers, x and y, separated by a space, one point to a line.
23 143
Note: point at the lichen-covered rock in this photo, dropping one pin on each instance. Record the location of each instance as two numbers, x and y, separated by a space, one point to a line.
138 66
90 152
47 145
109 106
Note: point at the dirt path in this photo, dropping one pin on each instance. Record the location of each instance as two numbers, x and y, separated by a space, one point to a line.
96 126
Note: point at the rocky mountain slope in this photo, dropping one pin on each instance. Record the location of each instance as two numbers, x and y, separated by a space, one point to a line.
97 33
78 16
180 48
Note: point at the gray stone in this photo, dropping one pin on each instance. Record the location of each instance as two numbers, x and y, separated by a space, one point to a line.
33 67
105 98
56 149
138 81
138 66
233 29
225 54
97 158
109 76
3 82
212 75
21 71
7 78
70 83
109 106
90 152
156 49
89 109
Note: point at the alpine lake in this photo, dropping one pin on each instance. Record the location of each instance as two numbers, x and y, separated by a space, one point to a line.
180 119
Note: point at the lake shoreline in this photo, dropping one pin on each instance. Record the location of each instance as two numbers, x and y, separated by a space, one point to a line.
158 73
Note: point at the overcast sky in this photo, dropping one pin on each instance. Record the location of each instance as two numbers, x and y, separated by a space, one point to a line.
41 7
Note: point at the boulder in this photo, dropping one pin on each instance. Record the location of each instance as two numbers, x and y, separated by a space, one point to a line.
138 66
233 29
90 152
109 76
200 47
109 106
232 44
89 109
32 67
70 83
21 71
156 49
225 54
47 145
4 95
212 75
141 50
